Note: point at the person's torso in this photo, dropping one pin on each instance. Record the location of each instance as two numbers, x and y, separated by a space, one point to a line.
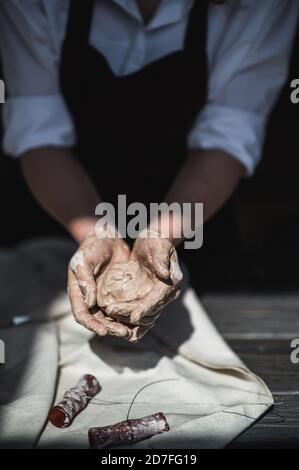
119 33
132 129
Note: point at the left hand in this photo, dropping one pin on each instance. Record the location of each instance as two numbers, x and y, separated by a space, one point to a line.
158 257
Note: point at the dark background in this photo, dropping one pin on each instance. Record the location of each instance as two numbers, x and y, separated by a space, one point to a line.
247 270
252 242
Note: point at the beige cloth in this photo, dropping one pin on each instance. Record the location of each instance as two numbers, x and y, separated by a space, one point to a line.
211 396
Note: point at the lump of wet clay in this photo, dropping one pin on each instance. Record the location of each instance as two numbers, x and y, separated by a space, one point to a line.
74 400
127 432
122 282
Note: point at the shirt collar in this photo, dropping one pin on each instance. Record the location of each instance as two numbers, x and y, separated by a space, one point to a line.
169 11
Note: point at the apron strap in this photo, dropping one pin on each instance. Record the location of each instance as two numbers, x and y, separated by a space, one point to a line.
196 35
78 23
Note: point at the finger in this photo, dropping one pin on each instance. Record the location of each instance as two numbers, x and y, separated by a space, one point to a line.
176 274
79 308
138 333
83 271
125 320
150 320
121 308
177 294
100 268
149 303
173 294
161 264
156 257
114 328
121 252
153 303
144 321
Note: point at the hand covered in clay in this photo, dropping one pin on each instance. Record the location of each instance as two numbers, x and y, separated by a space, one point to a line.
158 256
91 258
136 292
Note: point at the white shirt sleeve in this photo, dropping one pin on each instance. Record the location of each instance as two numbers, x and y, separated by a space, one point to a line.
247 68
34 113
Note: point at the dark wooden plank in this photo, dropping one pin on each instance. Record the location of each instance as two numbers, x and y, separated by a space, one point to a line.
260 327
278 429
270 359
254 316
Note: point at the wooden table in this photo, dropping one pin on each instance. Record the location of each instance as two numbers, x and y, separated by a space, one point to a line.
260 328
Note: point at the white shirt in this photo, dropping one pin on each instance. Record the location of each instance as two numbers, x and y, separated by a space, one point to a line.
249 44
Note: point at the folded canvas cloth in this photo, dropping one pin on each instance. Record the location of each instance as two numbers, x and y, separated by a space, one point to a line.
188 371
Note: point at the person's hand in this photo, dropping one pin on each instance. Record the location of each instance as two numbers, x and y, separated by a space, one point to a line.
157 256
95 252
92 256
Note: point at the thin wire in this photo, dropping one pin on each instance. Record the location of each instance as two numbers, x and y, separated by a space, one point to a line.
142 388
98 401
281 420
239 414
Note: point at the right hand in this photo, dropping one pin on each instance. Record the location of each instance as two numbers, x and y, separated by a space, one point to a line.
92 256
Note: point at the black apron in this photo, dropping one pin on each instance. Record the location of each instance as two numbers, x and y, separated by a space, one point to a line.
132 129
